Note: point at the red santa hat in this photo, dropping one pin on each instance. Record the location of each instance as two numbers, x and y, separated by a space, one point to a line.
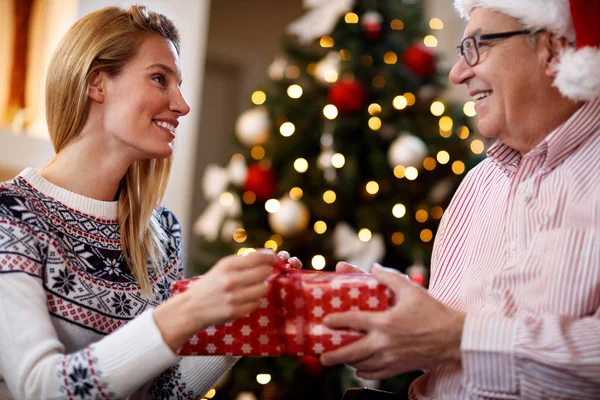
577 20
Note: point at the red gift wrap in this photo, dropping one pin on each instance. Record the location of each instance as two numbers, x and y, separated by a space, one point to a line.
289 319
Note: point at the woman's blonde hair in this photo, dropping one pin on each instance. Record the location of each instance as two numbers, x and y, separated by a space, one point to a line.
105 40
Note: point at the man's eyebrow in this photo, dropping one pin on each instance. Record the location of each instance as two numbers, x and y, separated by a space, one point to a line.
476 32
167 69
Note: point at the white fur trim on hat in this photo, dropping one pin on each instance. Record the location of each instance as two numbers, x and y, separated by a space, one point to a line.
579 73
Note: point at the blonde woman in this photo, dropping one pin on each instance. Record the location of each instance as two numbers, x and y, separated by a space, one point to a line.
86 256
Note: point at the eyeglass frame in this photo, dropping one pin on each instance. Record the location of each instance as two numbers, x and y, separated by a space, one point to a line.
488 36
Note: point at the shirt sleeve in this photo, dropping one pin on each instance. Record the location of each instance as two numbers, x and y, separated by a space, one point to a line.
542 352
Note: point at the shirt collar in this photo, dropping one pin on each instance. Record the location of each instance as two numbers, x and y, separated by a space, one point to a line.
558 145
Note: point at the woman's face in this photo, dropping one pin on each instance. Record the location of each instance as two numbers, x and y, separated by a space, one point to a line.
141 105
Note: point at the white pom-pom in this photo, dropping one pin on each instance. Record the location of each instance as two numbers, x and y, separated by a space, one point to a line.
579 73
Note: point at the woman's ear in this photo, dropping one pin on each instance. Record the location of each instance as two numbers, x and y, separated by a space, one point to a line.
555 46
96 88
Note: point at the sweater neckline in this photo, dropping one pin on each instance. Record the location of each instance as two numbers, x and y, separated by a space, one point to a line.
96 208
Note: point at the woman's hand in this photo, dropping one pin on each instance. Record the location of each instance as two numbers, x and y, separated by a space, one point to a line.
293 262
229 290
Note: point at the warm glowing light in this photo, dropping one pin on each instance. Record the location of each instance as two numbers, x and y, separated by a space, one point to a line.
292 72
318 262
477 146
411 173
366 60
301 165
390 57
446 123
287 129
445 134
329 196
430 41
399 210
458 167
226 199
399 102
330 111
263 379
397 238
320 227
210 394
338 160
397 25
421 215
277 238
429 163
345 55
259 97
437 108
310 68
249 197
240 235
372 187
410 98
443 157
351 18
436 23
426 235
296 193
272 205
374 123
364 235
399 171
257 152
374 109
271 244
244 251
294 91
437 212
378 81
326 42
469 109
463 132
330 75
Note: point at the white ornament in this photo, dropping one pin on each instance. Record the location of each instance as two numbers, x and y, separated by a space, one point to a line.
407 150
347 246
253 126
276 69
291 218
327 69
246 396
320 19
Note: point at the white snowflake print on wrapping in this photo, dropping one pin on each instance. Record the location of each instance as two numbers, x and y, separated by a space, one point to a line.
246 348
318 348
264 303
263 321
246 330
211 348
354 293
318 312
373 302
210 331
317 293
228 339
318 330
336 302
336 339
263 339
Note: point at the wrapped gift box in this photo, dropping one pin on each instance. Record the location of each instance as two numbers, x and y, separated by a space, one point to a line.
289 319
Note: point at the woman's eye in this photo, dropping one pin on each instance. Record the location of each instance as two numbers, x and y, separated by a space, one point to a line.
159 79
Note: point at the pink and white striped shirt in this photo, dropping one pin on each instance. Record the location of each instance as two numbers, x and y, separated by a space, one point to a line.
518 250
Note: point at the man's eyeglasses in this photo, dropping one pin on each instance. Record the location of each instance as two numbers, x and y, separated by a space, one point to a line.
469 46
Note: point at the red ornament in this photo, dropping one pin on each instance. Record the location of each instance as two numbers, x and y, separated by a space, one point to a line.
312 365
261 181
347 96
419 60
371 23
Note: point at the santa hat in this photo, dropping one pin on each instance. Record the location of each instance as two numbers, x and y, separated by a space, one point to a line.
577 20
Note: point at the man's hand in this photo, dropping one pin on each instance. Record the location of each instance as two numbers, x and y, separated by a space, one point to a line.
293 262
417 332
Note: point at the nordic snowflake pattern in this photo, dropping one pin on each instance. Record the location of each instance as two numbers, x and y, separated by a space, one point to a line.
246 330
335 302
317 293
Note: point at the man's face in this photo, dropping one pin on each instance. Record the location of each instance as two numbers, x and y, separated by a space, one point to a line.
506 80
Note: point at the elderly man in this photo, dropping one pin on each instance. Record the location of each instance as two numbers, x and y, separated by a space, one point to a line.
513 309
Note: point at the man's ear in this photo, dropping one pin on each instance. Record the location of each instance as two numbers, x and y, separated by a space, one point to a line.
555 47
96 88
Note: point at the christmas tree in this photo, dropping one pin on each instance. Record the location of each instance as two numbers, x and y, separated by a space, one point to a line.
350 154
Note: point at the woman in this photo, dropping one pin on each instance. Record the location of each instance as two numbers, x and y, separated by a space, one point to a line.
86 257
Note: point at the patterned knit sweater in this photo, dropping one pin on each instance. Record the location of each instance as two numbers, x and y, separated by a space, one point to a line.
74 323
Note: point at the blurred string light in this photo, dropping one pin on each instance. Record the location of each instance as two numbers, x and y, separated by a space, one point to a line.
272 205
399 171
411 173
364 235
458 167
318 262
257 152
330 111
390 58
399 102
437 212
263 379
397 238
429 163
271 244
430 41
345 55
374 123
426 235
463 132
240 235
443 157
421 216
338 160
296 193
277 238
287 129
301 165
366 60
294 91
351 18
249 197
374 109
469 109
410 98
329 196
245 251
372 187
226 199
399 210
210 394
259 97
292 72
436 23
437 108
320 227
326 42
397 25
378 81
477 146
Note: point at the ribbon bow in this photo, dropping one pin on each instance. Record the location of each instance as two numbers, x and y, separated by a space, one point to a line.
347 245
215 182
320 20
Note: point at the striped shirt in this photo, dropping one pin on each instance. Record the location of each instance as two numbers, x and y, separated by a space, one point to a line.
518 250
